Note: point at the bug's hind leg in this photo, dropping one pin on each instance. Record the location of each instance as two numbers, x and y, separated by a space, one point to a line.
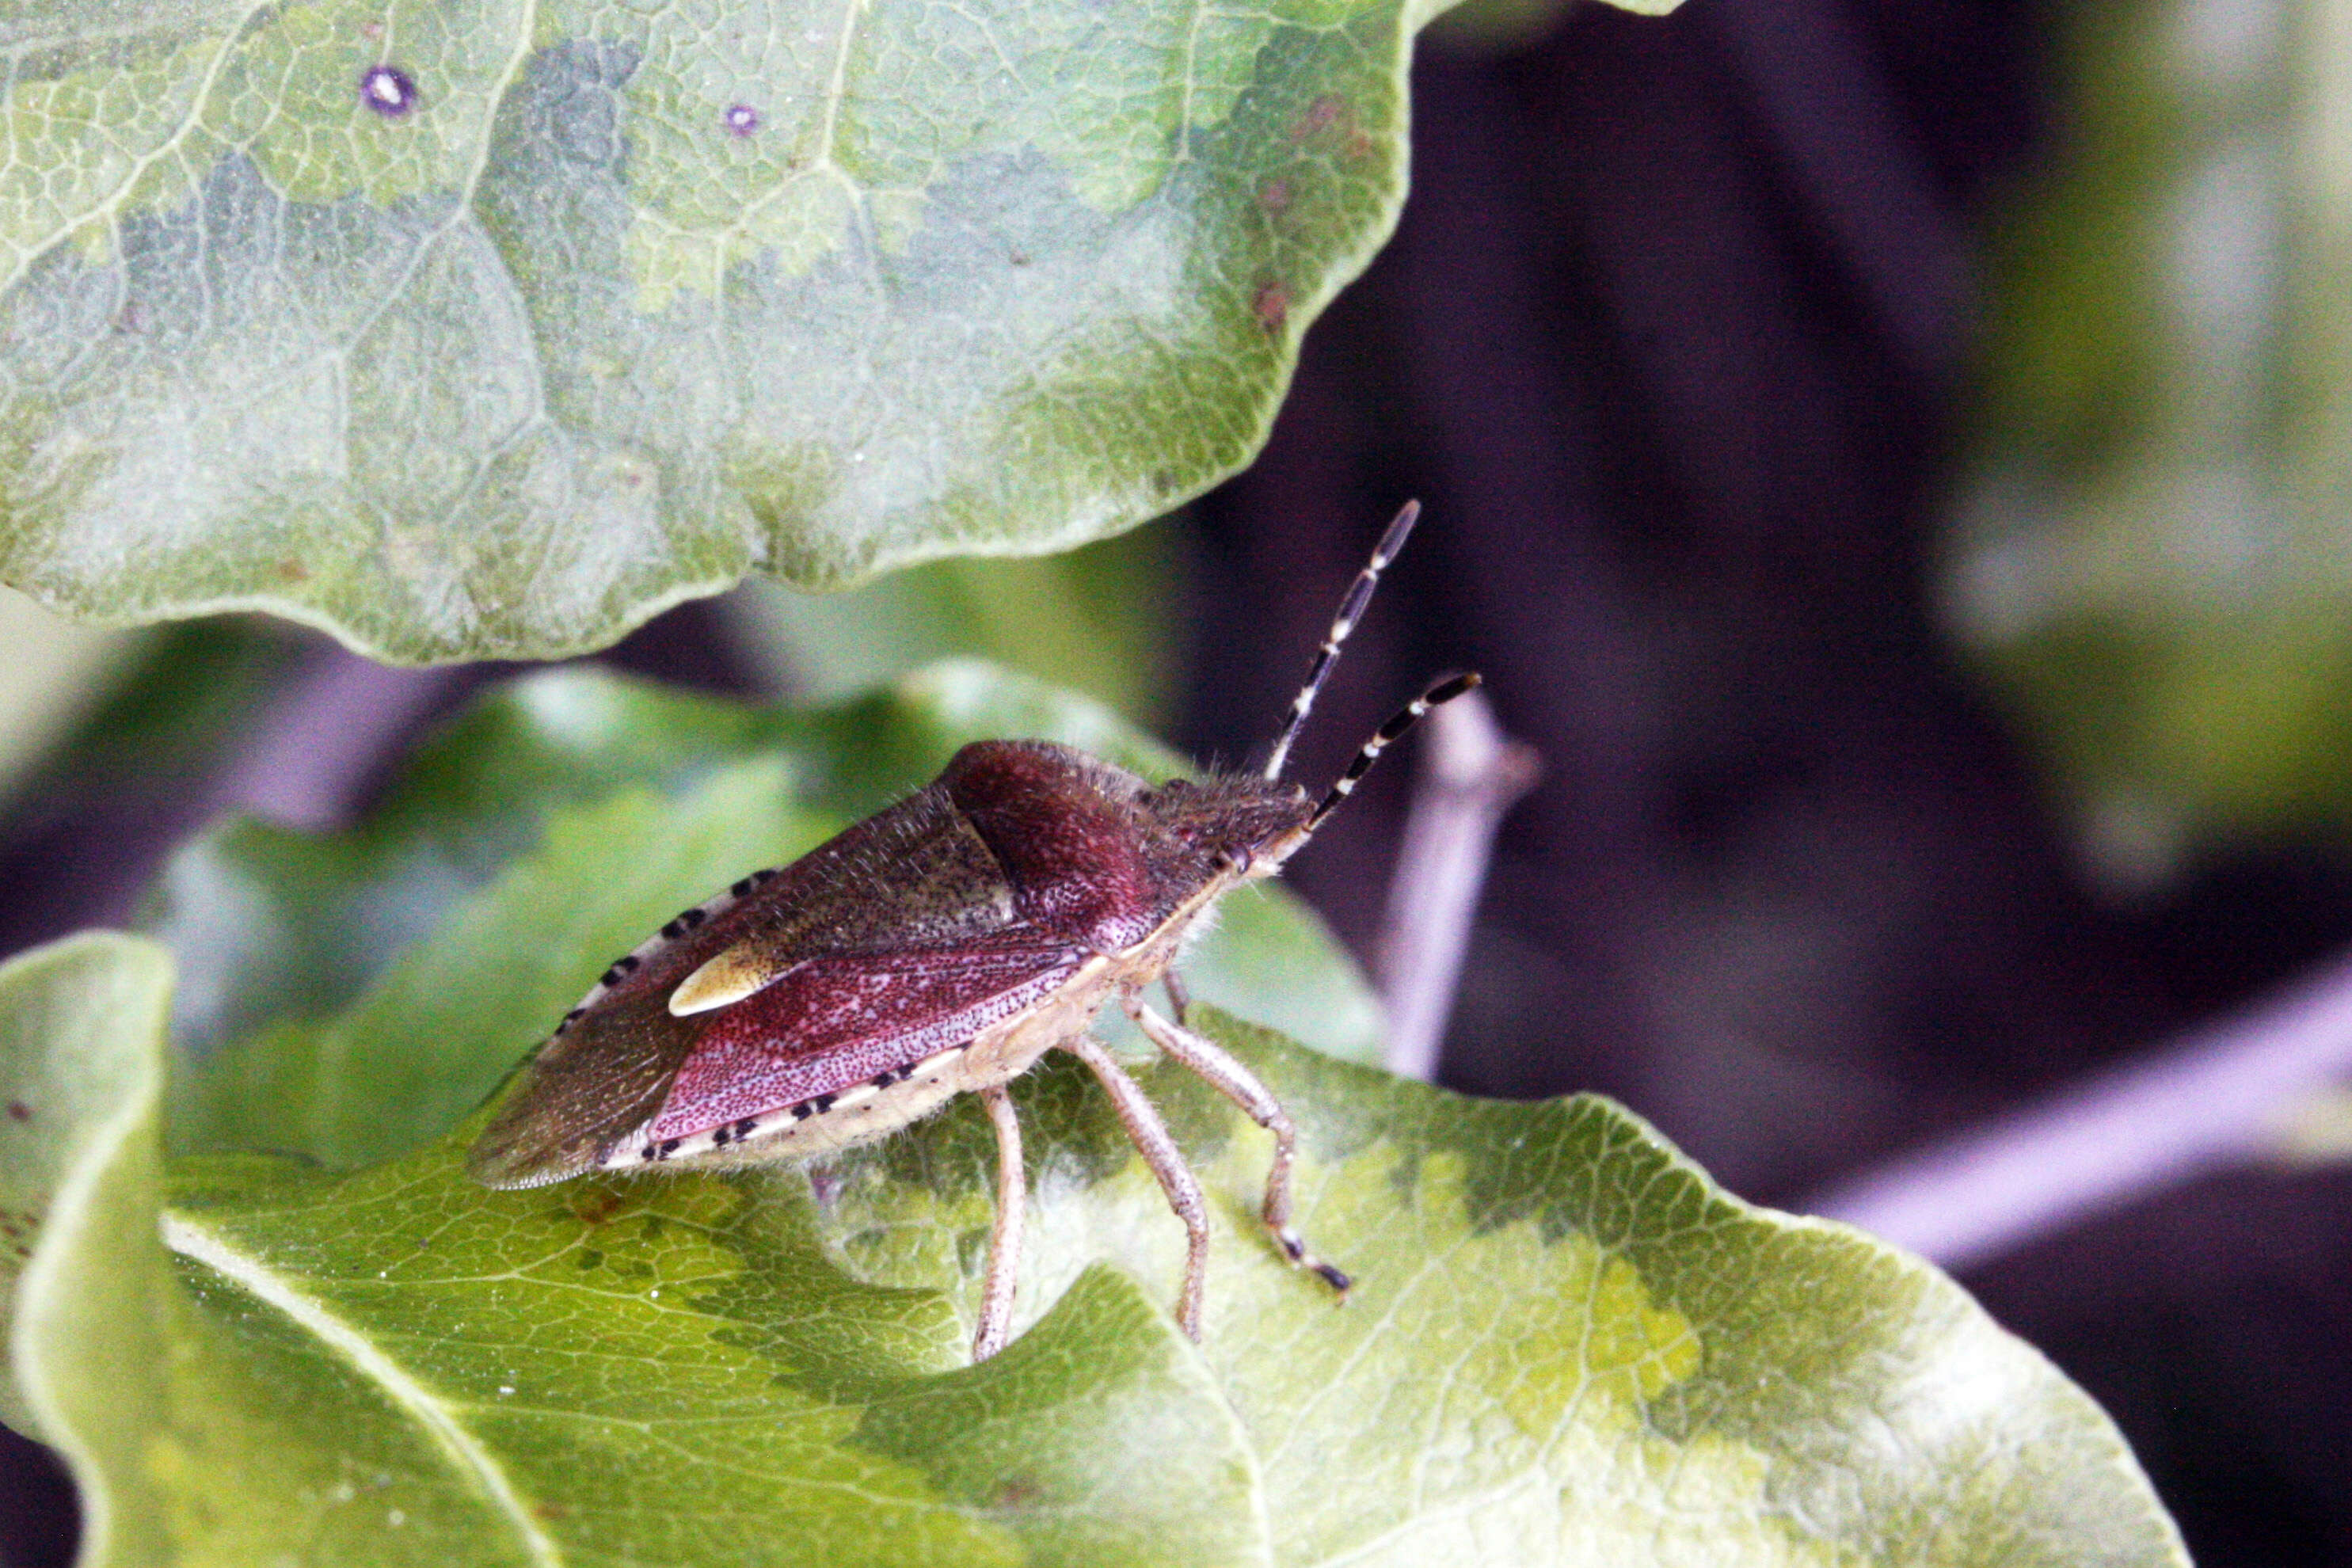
1004 1239
1241 1086
1167 1161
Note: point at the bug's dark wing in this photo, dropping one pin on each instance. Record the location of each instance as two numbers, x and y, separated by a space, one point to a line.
833 1022
584 1090
916 874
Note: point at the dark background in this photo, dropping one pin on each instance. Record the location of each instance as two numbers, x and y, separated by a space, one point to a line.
1674 341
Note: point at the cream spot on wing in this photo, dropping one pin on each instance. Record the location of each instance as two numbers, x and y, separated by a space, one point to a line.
728 976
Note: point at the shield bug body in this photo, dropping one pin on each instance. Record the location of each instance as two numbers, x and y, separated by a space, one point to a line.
939 947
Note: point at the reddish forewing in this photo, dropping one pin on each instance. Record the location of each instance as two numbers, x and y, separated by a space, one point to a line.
834 1022
902 936
612 1066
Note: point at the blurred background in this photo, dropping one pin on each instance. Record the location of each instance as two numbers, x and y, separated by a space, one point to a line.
1894 463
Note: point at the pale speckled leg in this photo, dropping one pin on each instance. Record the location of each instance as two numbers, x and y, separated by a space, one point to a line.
1167 1161
1005 1240
1180 1000
1241 1086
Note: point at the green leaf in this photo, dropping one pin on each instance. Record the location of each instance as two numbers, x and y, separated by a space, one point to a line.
91 1310
349 996
633 300
309 1336
1566 1346
51 675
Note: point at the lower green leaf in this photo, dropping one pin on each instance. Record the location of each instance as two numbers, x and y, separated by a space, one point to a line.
89 1305
1565 1346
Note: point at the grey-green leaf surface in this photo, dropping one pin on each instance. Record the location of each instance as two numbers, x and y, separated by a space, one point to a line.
347 997
591 307
1565 1347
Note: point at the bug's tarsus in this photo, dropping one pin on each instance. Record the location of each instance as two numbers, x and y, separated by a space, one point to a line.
995 1325
1351 610
1238 1084
1387 735
1152 1139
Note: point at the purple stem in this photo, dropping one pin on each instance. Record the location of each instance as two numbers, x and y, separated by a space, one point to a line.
315 746
1470 773
2216 1099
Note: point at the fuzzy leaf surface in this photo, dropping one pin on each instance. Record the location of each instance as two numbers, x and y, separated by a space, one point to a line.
488 327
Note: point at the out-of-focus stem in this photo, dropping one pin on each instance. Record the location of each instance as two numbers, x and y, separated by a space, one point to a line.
2220 1096
315 745
1469 774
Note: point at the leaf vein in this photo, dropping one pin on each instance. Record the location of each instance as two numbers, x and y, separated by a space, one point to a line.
110 205
424 1405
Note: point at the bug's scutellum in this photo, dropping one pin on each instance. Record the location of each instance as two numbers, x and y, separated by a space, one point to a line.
941 947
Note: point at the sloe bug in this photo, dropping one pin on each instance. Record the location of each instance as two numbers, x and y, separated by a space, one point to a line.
940 946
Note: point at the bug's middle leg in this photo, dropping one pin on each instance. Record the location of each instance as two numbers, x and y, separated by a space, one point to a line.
1241 1086
1004 1239
1167 1161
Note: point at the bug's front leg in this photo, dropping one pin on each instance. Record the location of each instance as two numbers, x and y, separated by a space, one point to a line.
1167 1161
1241 1086
1004 1239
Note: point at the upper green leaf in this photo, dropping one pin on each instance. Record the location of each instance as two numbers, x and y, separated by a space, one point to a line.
591 307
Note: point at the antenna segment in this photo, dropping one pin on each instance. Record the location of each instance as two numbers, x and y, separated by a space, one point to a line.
1351 610
1387 735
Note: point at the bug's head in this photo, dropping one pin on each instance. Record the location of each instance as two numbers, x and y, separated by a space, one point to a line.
1236 824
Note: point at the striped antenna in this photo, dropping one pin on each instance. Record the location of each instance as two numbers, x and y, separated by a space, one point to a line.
1351 610
1387 735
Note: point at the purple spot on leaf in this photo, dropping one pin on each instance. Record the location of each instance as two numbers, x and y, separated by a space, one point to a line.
743 120
387 89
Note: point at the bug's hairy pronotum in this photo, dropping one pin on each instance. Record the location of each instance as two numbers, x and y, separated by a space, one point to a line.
939 947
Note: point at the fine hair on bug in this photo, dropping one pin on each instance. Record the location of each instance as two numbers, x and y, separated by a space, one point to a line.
941 947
